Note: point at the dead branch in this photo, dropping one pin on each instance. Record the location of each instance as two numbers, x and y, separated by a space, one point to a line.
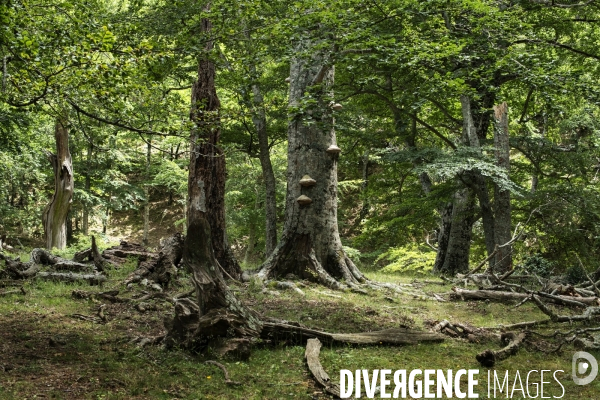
512 341
589 313
222 367
313 349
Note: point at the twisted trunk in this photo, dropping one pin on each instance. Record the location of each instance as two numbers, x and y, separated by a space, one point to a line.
55 214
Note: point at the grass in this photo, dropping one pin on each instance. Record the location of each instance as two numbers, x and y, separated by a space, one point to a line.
50 354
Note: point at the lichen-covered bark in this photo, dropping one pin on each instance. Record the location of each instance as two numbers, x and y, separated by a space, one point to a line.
310 246
55 214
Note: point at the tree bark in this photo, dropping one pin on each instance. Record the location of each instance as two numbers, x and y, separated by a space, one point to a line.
217 314
55 214
459 236
502 223
260 122
207 165
310 246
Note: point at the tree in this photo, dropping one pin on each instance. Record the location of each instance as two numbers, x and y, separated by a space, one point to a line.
218 313
310 246
55 215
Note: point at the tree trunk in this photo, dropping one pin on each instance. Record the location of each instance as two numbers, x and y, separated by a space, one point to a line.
207 166
443 236
217 314
147 196
252 233
88 185
260 122
502 225
459 237
477 181
310 246
364 210
55 214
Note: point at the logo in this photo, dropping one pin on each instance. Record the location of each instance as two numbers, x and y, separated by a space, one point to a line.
583 363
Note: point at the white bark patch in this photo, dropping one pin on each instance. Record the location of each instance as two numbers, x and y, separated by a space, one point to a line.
199 202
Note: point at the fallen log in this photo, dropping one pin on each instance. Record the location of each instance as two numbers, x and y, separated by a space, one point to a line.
92 279
589 313
512 342
162 267
395 336
496 295
311 354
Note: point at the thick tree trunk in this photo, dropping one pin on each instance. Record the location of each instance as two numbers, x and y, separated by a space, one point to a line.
310 246
459 237
502 225
217 314
260 122
207 166
477 181
55 214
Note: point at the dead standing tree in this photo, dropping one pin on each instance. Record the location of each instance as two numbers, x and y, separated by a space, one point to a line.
310 246
54 217
217 314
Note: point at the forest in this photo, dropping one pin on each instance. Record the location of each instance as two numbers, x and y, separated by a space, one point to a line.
244 199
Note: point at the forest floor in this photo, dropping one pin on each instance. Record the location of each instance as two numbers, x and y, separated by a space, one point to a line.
47 351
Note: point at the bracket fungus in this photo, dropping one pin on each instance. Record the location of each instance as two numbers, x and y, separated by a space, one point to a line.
304 200
333 149
336 106
307 181
288 79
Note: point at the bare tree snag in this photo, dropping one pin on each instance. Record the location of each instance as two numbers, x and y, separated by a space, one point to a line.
217 318
511 340
54 217
310 246
208 161
502 210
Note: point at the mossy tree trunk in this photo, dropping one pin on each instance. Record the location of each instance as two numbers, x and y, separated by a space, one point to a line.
55 214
